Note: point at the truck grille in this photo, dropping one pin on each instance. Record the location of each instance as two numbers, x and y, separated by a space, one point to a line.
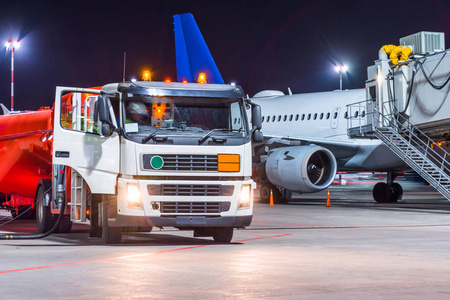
178 162
194 207
190 190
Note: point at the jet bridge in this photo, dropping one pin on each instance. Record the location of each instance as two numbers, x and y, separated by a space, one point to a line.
408 107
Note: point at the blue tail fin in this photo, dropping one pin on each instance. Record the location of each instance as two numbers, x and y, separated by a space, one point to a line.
193 56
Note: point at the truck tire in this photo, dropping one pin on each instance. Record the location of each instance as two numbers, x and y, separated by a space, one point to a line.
110 235
223 235
44 217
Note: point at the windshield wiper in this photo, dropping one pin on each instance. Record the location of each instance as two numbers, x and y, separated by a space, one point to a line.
152 135
206 136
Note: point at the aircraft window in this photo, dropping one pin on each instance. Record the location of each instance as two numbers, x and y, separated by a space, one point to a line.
328 116
356 114
309 117
346 115
290 118
296 117
335 115
279 118
285 117
363 114
315 116
303 117
273 119
262 120
268 118
321 116
235 120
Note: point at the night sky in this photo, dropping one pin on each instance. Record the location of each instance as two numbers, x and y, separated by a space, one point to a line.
257 44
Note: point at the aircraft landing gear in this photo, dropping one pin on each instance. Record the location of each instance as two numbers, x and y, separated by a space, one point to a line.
388 192
280 195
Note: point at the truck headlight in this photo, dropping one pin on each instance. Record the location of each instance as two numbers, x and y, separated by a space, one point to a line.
133 196
245 197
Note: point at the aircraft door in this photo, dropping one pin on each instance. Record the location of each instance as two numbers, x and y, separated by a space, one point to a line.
78 142
335 117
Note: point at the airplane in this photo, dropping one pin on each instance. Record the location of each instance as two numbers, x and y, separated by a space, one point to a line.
305 135
306 142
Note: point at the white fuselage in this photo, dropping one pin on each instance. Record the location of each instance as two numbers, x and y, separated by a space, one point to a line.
320 118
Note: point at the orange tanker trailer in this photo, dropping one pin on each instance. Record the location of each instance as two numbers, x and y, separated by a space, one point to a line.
25 157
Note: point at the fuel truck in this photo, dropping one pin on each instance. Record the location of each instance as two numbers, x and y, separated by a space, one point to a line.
130 156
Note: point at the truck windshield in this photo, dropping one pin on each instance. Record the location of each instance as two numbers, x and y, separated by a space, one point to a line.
149 117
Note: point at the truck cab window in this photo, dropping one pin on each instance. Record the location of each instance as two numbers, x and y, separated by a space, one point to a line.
183 116
77 112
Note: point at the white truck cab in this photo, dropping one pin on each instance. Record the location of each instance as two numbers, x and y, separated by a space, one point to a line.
148 154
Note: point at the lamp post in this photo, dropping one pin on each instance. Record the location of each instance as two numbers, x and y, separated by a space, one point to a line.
340 69
10 45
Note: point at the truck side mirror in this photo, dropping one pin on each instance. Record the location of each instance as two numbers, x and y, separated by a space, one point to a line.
256 117
103 111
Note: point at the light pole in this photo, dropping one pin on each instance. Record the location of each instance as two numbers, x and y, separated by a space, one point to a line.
10 45
340 69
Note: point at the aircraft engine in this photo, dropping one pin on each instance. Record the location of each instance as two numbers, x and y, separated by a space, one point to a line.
304 169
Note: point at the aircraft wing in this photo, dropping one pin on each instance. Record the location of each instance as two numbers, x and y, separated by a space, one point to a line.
192 53
340 148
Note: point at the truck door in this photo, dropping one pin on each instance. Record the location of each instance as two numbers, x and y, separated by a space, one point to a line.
78 143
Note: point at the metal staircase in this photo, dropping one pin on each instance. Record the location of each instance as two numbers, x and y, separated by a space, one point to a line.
419 152
419 155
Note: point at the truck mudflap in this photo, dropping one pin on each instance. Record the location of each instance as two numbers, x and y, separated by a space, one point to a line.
182 221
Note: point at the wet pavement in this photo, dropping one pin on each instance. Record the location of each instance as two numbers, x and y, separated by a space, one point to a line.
300 250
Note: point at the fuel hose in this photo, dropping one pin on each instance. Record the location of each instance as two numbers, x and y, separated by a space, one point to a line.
38 235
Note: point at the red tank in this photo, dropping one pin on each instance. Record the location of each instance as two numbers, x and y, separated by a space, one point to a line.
25 153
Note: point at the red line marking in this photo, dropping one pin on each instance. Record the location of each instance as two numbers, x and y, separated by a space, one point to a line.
261 238
135 255
180 249
58 265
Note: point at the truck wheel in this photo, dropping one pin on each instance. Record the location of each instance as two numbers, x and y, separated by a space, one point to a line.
110 235
223 235
44 218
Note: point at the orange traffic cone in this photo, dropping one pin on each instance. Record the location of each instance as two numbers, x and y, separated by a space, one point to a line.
328 200
271 199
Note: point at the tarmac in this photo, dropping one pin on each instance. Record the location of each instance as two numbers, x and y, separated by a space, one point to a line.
355 249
